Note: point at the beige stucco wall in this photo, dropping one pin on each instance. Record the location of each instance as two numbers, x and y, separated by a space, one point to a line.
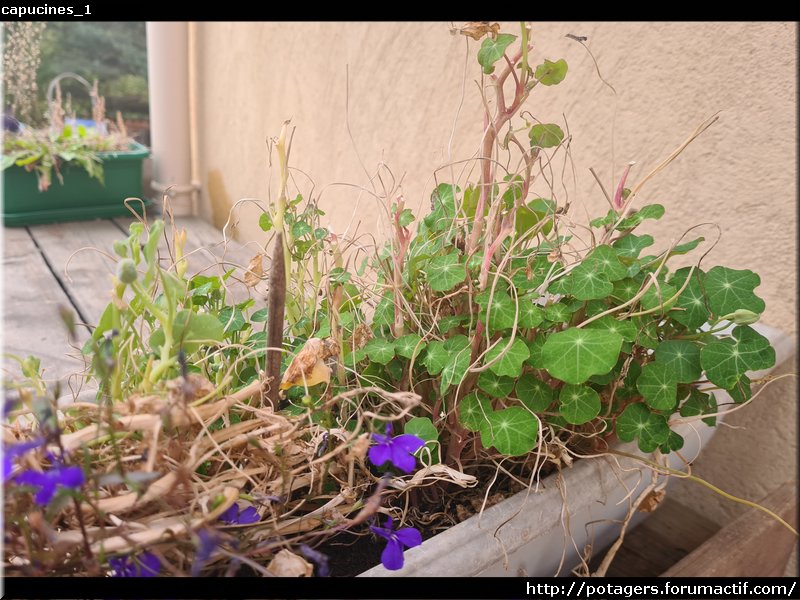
406 81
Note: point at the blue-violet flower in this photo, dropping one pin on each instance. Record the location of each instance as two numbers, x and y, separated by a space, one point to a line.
392 555
46 481
398 450
146 565
234 516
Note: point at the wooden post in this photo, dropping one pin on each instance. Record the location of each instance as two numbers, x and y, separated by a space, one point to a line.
276 304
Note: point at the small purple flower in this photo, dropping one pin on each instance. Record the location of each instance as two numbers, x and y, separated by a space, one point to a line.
398 450
392 555
146 565
47 481
14 450
209 539
233 516
318 558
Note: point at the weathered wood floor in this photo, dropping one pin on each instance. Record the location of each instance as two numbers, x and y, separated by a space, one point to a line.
70 265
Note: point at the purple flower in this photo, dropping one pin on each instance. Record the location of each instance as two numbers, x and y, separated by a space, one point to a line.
233 516
147 565
318 558
208 542
398 450
47 481
12 451
392 555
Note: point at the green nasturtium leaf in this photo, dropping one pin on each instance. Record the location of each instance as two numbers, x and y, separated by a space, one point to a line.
436 357
534 393
658 386
625 327
423 428
473 410
444 207
494 385
557 313
741 391
690 310
605 260
265 222
578 404
457 363
445 324
700 403
729 289
384 311
545 135
444 272
575 355
660 297
530 315
726 360
588 283
551 73
627 288
636 421
492 50
682 357
631 245
501 310
673 444
687 247
531 215
512 431
380 350
535 351
511 358
651 211
409 346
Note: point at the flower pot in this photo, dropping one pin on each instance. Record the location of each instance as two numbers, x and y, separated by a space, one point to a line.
539 533
80 197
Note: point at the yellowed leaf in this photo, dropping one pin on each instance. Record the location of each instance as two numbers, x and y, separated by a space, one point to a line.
288 564
308 367
255 271
477 29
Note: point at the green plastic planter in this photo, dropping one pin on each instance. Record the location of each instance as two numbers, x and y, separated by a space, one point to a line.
80 197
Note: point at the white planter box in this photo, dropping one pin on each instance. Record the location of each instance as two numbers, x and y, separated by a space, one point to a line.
531 533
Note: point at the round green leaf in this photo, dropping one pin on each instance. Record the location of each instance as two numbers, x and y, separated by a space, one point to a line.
631 245
444 272
730 289
605 260
473 410
455 369
436 357
512 431
575 355
690 309
658 386
545 135
380 350
589 283
609 323
726 360
551 73
501 310
423 428
409 346
511 359
530 315
636 421
492 50
579 404
682 357
495 386
535 351
534 393
700 403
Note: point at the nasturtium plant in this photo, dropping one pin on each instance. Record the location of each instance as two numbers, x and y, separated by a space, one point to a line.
497 322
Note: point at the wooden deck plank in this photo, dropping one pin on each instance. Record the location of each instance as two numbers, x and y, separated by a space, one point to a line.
31 322
82 257
753 545
668 535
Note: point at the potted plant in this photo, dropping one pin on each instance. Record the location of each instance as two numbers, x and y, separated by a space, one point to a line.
493 351
71 169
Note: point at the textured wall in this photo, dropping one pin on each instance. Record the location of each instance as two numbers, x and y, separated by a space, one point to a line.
406 83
